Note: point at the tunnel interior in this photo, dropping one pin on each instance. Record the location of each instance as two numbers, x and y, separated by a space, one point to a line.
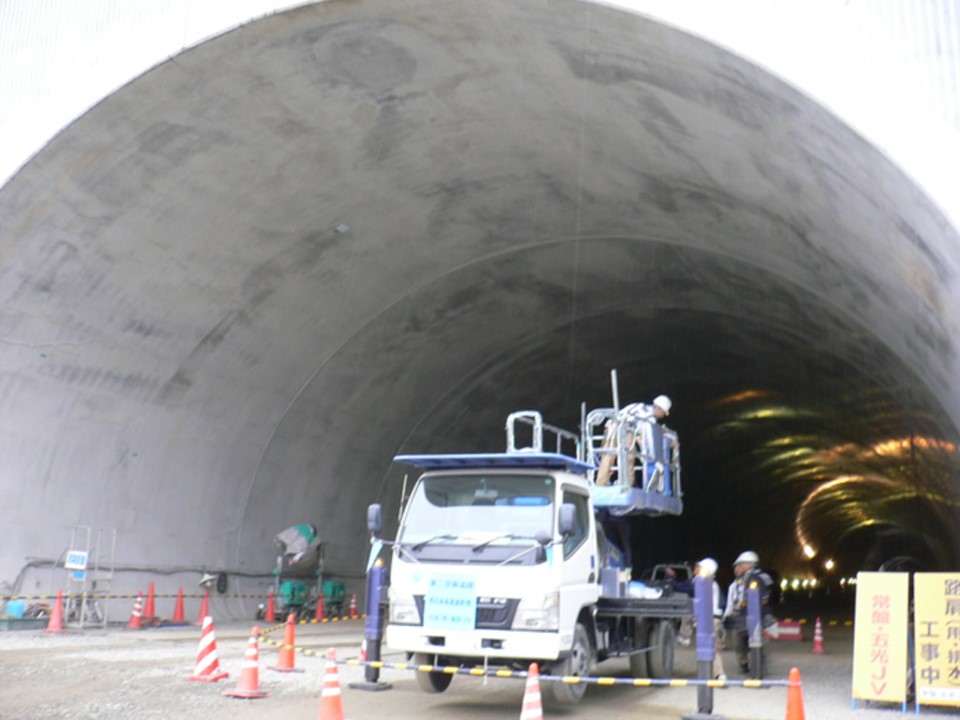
241 284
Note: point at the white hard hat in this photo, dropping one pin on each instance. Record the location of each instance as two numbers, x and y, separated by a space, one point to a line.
708 567
748 556
663 402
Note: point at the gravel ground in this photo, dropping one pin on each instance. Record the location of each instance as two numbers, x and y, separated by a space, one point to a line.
140 674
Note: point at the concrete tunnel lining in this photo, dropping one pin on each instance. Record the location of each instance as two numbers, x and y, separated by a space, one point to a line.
235 288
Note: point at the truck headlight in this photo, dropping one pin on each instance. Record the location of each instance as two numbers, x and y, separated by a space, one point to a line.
541 613
403 610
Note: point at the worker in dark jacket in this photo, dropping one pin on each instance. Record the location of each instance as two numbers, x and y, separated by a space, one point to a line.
746 569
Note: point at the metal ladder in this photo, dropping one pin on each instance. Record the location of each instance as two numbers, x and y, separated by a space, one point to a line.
89 576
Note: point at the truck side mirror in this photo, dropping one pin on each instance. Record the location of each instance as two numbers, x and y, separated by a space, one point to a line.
375 518
568 519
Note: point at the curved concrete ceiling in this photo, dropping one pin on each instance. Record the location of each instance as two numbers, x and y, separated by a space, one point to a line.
237 287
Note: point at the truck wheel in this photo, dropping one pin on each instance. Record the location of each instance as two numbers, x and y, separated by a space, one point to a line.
662 640
430 682
577 664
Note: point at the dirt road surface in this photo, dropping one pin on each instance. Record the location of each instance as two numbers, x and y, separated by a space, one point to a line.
125 674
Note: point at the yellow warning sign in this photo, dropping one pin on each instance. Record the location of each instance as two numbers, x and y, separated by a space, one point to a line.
937 637
880 637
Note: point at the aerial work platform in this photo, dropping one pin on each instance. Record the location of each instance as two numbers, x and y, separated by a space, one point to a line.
649 452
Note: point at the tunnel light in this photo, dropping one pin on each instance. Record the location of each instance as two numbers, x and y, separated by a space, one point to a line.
784 583
805 584
829 564
795 584
809 552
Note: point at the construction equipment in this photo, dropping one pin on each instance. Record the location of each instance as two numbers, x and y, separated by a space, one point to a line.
298 576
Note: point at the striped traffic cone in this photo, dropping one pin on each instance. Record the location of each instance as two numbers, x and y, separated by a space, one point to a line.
818 638
285 663
136 617
320 613
331 702
532 708
248 687
353 606
208 665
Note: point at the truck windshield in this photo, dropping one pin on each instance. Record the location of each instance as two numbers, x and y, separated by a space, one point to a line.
472 508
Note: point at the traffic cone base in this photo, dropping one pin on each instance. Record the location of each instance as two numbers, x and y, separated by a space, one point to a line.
208 666
331 701
532 708
285 663
55 623
248 686
795 696
208 678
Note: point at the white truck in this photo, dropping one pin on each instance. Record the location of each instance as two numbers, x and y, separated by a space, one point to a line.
501 559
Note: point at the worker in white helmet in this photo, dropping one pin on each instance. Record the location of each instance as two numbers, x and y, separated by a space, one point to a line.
631 415
746 569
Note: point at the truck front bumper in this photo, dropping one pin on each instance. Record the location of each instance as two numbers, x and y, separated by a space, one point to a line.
491 644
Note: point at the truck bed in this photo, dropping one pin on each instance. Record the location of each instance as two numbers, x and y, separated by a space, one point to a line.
676 605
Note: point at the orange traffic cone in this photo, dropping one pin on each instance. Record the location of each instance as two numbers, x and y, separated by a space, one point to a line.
136 617
55 624
331 703
353 606
178 616
818 639
204 607
271 613
285 663
320 613
248 686
208 665
794 696
150 609
532 708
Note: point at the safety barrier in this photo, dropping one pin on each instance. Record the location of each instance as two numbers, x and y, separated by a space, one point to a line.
132 596
522 674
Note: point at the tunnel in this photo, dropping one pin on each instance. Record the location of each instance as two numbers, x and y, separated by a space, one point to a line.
238 286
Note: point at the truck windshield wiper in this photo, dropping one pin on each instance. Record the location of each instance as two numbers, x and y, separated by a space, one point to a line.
420 545
507 536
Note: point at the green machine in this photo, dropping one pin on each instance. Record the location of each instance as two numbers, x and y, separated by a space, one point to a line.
298 576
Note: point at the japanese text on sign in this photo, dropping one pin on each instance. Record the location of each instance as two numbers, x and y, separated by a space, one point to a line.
880 637
450 603
937 637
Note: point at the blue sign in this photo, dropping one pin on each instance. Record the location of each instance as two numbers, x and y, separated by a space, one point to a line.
451 602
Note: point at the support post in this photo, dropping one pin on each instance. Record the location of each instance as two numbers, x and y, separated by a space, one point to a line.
706 647
373 629
755 629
